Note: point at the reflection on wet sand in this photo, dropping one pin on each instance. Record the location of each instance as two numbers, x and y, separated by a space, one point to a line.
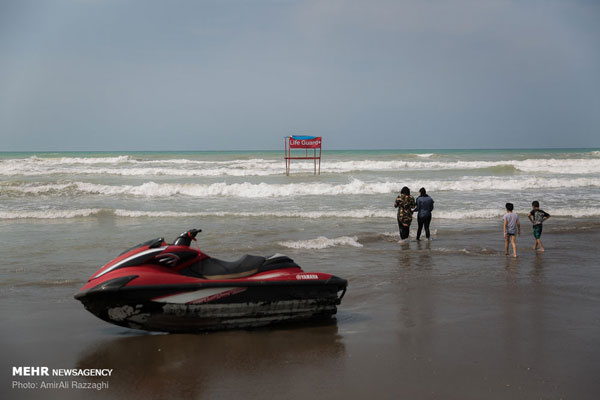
417 303
537 272
187 366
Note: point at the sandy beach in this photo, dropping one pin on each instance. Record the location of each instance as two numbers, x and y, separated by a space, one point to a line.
448 319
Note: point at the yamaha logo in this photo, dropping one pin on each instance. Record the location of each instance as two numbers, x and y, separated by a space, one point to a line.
307 276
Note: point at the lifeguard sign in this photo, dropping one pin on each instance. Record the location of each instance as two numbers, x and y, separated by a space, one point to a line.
302 142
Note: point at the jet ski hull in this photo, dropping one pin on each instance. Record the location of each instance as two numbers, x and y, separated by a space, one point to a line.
213 306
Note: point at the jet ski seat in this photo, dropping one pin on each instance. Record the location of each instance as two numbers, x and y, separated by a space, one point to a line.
213 268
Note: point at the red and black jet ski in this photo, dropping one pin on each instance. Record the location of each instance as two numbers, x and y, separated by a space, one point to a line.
175 288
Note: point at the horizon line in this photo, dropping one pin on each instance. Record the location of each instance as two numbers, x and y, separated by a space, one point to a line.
263 150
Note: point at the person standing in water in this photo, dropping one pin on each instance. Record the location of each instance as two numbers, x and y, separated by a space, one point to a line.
537 217
424 209
405 204
512 228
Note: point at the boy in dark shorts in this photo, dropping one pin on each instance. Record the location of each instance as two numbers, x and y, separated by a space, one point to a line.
512 227
537 217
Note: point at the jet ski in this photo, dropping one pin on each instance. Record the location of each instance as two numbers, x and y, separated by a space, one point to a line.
163 287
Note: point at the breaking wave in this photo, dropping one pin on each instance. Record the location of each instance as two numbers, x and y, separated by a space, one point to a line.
96 212
322 243
49 214
128 166
266 190
354 214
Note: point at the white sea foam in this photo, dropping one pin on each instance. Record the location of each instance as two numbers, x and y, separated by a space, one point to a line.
49 214
354 187
584 212
76 160
470 214
322 243
491 213
266 190
36 170
65 214
127 166
357 214
35 188
561 166
396 235
93 212
246 189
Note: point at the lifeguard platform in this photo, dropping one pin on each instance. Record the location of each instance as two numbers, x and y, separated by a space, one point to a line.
299 143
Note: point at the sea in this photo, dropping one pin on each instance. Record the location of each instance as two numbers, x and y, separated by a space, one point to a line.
415 307
467 186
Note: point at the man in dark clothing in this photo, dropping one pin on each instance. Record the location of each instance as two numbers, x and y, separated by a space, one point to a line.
424 208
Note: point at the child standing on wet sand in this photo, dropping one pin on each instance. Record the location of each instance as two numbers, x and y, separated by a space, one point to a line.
512 227
537 217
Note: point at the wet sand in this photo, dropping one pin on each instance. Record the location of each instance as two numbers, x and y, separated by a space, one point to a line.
448 319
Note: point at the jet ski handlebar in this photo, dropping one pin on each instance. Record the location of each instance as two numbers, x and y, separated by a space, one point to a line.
185 239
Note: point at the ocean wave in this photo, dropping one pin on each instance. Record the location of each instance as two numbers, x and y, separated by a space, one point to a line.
489 213
322 243
50 214
127 159
74 160
355 214
476 251
500 170
20 170
471 214
127 166
95 212
559 166
394 236
267 190
222 189
18 189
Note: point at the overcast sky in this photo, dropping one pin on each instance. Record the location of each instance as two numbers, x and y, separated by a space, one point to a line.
234 75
